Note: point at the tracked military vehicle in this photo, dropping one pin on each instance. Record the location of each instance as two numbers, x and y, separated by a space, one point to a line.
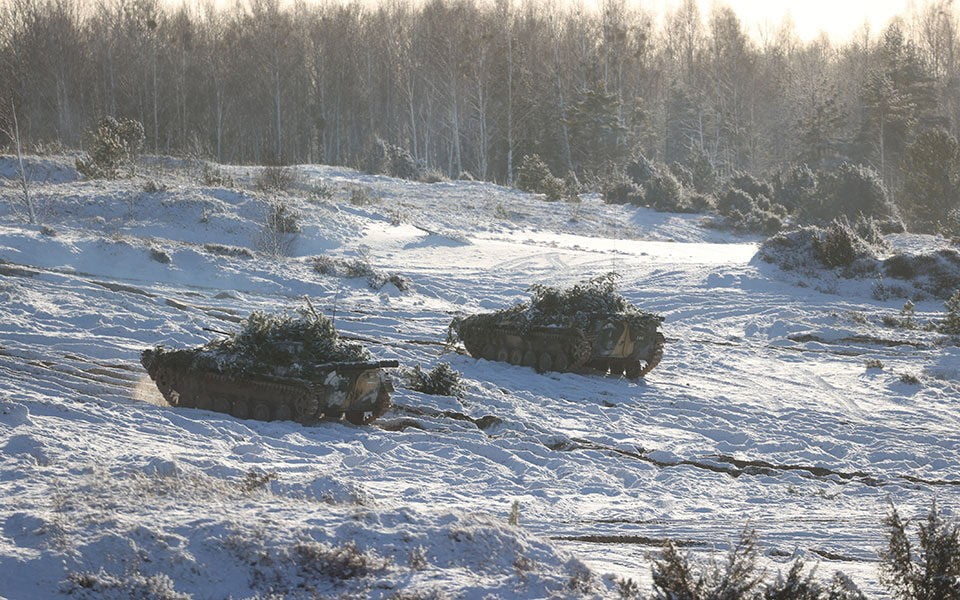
275 368
588 327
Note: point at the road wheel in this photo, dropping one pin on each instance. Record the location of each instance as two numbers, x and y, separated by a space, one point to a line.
262 412
545 362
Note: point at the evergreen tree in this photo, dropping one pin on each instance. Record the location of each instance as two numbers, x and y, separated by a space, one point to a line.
819 126
931 180
597 131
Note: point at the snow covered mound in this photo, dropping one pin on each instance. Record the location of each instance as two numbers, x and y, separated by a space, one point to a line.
789 408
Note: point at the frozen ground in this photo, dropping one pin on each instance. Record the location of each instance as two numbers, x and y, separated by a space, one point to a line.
761 414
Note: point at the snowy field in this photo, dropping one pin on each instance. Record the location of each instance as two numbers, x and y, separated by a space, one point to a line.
762 413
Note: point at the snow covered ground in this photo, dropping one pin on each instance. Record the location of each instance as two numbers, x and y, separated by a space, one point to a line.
762 413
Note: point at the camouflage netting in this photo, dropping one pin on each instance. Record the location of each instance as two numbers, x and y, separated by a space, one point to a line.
575 306
281 345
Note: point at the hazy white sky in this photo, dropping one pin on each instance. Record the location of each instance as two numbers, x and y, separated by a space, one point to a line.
838 18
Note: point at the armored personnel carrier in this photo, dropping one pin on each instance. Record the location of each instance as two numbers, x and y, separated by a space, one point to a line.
275 368
586 327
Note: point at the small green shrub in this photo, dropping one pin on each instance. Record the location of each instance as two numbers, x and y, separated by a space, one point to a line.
849 191
115 145
152 186
387 159
442 380
639 170
534 176
839 245
795 188
931 572
951 323
674 577
663 192
622 191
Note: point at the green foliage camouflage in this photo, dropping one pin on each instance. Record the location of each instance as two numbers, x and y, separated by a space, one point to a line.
576 306
269 344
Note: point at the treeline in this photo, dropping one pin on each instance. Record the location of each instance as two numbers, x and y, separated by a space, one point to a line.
467 86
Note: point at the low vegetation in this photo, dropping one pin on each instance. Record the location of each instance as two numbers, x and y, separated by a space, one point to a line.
442 380
352 268
857 251
114 146
928 572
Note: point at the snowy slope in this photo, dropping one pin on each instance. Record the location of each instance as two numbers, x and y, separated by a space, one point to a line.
762 412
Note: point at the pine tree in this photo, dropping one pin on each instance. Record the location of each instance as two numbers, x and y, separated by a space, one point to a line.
819 126
931 179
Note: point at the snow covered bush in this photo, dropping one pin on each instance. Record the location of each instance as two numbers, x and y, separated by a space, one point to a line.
811 247
839 245
534 176
212 175
105 586
850 191
280 227
795 188
276 179
740 577
747 206
359 267
226 250
442 380
682 174
936 273
931 572
621 190
663 192
346 561
639 170
116 143
951 323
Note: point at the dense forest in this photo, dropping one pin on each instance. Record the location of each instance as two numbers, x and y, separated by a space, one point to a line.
467 86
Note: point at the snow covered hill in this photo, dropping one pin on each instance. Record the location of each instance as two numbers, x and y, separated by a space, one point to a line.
761 414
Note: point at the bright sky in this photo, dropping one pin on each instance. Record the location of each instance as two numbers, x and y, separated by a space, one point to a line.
840 19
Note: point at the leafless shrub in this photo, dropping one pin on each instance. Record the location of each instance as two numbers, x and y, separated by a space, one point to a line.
213 176
23 178
418 558
362 196
254 481
101 584
280 228
909 379
276 179
339 562
152 186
